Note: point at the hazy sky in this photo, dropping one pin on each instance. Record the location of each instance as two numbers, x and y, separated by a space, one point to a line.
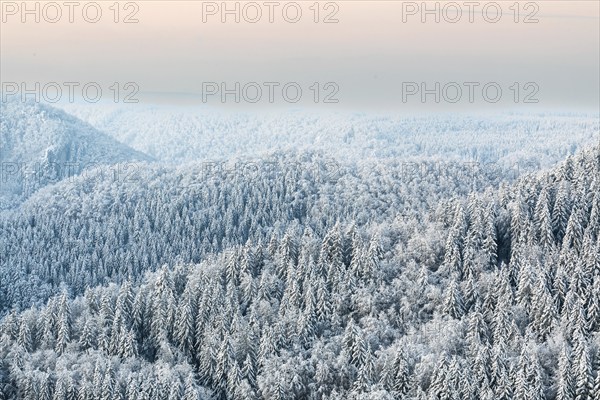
372 54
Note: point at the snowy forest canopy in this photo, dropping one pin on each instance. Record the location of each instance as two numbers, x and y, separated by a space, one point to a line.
372 281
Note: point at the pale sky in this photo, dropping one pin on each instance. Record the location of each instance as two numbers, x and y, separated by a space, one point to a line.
369 54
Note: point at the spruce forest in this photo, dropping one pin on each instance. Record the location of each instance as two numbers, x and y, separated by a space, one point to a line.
306 276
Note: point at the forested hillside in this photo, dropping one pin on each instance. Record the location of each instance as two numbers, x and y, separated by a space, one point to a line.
41 145
508 140
299 200
103 227
285 285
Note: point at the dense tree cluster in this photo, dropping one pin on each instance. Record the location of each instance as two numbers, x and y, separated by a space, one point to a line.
191 133
103 227
40 145
365 288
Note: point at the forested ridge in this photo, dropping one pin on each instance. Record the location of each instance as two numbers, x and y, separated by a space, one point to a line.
102 227
41 145
532 140
363 287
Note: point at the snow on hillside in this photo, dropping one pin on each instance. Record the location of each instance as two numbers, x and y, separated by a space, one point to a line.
185 133
40 145
495 295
